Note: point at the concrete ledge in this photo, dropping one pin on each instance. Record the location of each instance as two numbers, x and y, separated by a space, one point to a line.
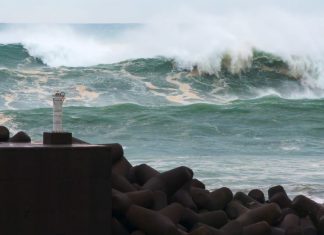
57 138
55 190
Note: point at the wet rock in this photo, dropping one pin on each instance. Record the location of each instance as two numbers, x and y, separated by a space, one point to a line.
160 200
257 195
268 212
234 209
147 202
118 228
308 226
20 137
4 134
120 183
277 231
116 152
278 195
260 228
137 232
184 198
221 197
305 206
246 200
173 211
142 173
78 141
151 222
197 184
291 225
215 219
122 167
169 181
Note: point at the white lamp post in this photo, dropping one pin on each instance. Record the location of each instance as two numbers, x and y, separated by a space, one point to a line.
57 136
58 99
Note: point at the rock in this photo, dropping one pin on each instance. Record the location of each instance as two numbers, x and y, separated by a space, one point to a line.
144 198
291 225
234 209
118 228
246 200
142 173
120 202
137 232
305 206
260 228
215 219
197 184
120 183
160 200
222 197
20 137
146 202
257 195
184 198
151 222
278 195
232 228
202 199
117 152
277 231
308 226
173 211
203 229
78 141
284 212
169 181
4 134
122 167
269 213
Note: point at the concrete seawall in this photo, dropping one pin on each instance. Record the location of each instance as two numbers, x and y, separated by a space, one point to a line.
55 190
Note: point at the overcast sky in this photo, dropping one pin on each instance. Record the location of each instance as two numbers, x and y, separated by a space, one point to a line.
114 11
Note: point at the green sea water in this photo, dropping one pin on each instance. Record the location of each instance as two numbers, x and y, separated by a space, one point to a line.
249 122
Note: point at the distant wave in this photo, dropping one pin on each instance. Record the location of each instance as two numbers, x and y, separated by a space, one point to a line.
209 59
202 42
15 55
263 74
149 82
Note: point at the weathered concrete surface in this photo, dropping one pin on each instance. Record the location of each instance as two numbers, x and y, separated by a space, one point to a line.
55 190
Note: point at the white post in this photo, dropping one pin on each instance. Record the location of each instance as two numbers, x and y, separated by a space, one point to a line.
58 99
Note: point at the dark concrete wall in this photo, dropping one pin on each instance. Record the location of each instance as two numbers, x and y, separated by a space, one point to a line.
55 190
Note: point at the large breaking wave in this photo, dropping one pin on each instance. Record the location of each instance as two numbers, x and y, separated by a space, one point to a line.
194 58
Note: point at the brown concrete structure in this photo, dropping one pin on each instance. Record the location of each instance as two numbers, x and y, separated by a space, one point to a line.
55 189
57 138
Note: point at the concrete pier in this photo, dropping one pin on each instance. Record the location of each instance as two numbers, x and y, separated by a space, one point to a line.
55 189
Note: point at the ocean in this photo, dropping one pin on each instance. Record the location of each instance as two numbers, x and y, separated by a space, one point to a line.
243 110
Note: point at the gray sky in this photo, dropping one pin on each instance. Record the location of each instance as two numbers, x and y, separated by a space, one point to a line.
114 11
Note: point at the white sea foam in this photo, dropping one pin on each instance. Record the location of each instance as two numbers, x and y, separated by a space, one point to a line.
239 172
4 119
192 37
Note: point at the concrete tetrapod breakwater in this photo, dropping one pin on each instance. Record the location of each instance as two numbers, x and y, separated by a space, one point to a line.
148 202
83 189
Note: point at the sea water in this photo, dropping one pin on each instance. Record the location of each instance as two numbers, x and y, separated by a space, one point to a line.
242 107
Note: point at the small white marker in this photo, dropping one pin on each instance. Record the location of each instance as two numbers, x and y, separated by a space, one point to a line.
58 99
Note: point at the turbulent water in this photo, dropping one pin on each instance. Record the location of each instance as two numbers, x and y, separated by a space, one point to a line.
239 112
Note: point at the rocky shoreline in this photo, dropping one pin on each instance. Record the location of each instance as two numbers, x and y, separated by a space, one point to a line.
147 202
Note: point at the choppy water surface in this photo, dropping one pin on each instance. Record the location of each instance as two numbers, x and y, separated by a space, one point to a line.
239 116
